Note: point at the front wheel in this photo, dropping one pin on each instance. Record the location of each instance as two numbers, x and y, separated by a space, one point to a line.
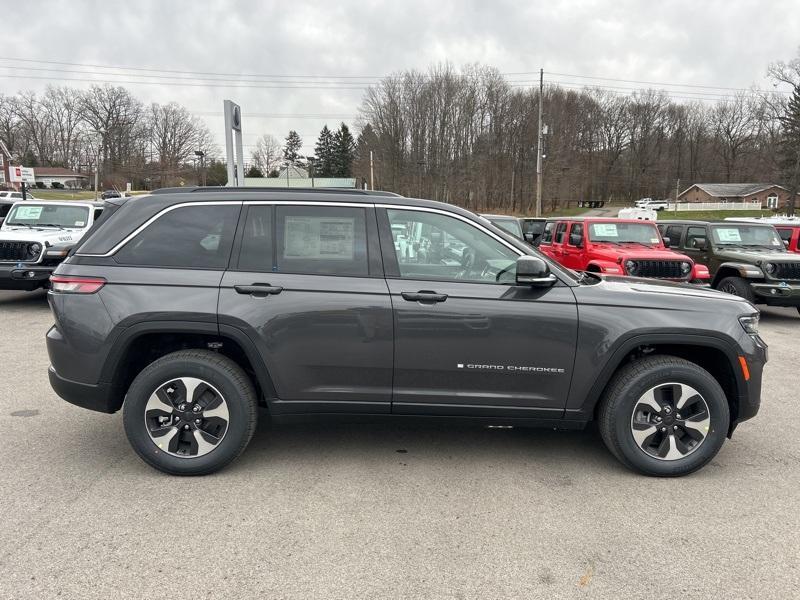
664 416
738 287
190 412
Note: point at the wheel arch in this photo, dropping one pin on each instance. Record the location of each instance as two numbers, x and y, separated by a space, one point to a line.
713 354
138 346
732 269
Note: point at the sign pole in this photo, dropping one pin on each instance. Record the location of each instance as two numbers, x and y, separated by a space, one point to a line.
24 195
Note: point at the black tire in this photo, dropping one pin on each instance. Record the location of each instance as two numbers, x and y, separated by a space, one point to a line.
214 369
736 286
623 395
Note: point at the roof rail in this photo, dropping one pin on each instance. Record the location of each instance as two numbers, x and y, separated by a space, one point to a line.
282 190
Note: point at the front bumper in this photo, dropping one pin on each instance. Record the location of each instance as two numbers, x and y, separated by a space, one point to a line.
19 276
779 293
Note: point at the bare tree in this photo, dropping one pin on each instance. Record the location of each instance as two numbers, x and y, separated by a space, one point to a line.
267 154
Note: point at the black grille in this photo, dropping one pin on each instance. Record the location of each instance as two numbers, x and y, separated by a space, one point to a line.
787 270
660 269
15 251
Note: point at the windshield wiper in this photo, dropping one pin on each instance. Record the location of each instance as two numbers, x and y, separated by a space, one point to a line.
28 225
50 225
640 243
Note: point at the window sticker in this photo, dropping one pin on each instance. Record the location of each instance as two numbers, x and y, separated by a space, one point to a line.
321 238
729 235
654 240
28 213
605 229
80 223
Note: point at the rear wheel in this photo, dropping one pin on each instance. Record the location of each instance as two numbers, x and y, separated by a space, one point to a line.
190 412
664 416
736 286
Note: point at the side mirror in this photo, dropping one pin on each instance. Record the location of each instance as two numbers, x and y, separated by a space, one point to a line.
785 242
576 239
700 243
667 242
533 271
528 237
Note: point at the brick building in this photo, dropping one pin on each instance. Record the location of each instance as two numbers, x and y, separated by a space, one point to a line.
769 195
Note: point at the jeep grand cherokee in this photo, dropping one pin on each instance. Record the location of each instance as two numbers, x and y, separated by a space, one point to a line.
191 308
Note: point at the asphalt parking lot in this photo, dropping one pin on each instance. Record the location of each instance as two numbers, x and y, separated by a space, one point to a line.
387 511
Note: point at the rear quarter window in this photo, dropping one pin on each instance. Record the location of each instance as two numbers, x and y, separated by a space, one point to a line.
195 237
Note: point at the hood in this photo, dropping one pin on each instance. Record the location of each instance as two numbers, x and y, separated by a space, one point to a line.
752 255
635 251
666 288
42 235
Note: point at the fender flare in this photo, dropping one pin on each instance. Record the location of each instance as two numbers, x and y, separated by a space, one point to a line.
744 270
606 264
626 345
127 336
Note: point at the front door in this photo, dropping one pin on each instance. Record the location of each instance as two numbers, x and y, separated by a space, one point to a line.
573 253
308 289
468 340
696 244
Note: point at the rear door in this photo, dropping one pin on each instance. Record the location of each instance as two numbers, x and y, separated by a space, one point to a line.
573 254
468 340
307 287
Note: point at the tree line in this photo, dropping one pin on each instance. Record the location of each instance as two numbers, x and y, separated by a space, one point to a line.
104 127
469 137
465 136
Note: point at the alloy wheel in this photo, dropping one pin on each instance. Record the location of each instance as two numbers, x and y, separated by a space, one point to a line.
670 421
186 417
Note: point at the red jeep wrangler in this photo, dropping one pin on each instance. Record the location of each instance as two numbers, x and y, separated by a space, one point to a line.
617 247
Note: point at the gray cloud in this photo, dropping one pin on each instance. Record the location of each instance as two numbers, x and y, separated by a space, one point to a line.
722 43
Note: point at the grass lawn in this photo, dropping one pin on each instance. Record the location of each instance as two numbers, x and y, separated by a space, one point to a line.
710 215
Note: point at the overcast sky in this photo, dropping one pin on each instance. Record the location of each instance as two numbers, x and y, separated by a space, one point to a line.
711 43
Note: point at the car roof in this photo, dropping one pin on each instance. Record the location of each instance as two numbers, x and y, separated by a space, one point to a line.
91 203
134 211
680 222
600 219
507 217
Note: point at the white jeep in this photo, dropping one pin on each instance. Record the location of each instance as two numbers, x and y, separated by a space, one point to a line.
36 236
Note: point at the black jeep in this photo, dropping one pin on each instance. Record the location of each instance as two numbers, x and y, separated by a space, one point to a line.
749 260
190 309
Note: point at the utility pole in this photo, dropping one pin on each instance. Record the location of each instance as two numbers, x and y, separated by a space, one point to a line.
371 172
539 149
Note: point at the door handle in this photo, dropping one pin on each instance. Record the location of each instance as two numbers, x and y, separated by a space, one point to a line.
423 296
258 289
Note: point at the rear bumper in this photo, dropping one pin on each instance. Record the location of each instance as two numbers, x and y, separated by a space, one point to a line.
92 396
19 276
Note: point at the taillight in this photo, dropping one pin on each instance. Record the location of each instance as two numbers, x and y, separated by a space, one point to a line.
67 284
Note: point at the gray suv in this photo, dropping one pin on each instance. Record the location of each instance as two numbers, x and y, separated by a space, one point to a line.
190 309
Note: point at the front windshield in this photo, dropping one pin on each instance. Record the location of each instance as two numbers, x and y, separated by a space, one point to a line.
748 236
48 215
510 225
621 233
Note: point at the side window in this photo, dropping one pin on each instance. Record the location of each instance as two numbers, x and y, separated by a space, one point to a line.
198 237
674 234
560 230
576 232
97 213
256 251
436 246
693 234
322 240
786 234
547 234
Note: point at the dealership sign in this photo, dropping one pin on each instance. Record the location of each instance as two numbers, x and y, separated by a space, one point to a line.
21 174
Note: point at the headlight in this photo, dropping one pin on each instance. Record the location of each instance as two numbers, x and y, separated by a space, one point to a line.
686 268
630 266
770 268
35 248
750 323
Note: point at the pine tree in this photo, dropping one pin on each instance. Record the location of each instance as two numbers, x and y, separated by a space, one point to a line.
291 150
325 153
790 147
344 152
254 171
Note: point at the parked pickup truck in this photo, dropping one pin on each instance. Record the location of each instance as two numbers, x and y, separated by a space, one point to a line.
745 259
36 236
617 247
652 204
